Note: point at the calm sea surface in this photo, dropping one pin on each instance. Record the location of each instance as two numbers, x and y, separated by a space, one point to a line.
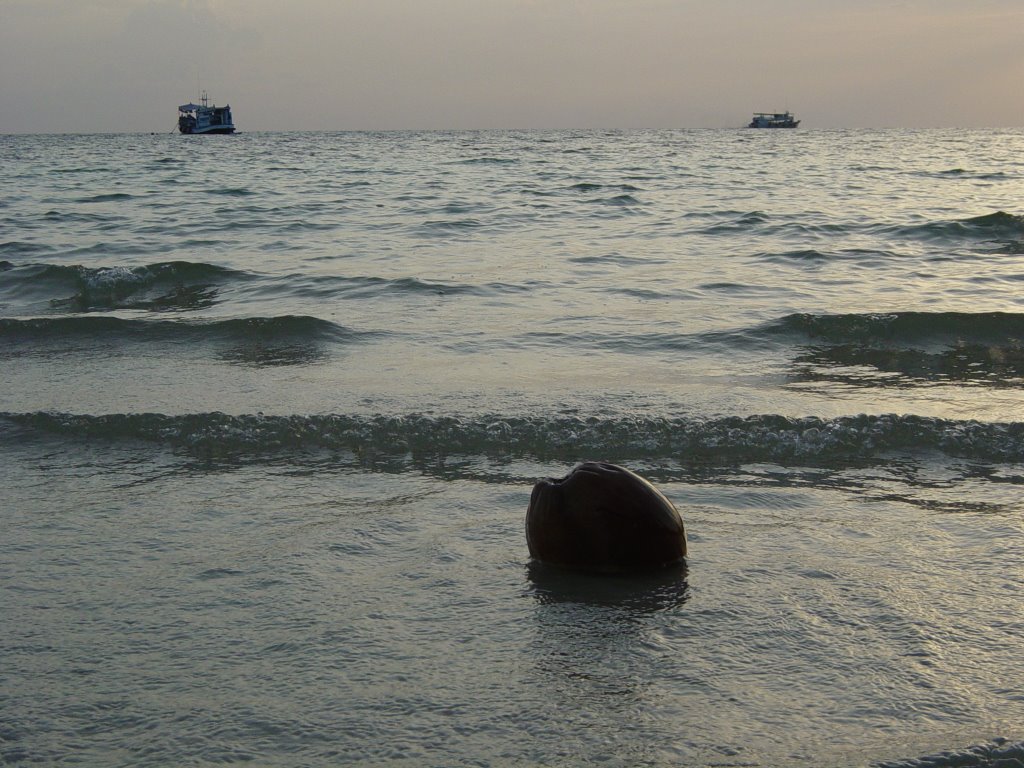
272 405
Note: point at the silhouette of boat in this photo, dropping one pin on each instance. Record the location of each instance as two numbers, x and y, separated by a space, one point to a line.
773 120
203 118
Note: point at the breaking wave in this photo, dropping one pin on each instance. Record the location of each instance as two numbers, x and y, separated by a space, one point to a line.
809 441
166 285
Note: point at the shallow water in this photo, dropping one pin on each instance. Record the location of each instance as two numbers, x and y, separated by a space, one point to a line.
271 407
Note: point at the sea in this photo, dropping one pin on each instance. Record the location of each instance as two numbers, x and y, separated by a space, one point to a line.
272 406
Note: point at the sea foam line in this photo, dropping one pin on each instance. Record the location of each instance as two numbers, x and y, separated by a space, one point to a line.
808 440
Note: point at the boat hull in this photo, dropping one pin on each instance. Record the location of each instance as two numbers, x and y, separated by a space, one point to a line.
202 131
773 120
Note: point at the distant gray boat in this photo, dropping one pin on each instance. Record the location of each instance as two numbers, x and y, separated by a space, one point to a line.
773 120
202 118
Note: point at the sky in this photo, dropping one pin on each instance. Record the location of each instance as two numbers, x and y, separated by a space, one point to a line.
125 65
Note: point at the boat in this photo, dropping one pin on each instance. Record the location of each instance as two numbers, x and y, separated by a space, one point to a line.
773 120
203 118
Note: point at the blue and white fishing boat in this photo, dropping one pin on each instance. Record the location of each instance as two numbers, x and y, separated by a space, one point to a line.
773 120
203 118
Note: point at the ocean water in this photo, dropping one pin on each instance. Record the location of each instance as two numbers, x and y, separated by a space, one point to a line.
272 405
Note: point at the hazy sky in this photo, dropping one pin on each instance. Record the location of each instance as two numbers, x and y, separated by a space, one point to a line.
125 65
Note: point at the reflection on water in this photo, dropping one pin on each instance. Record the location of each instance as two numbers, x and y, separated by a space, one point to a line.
641 593
591 635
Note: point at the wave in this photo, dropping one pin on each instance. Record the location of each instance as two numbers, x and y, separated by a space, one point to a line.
184 285
895 350
586 186
999 752
732 222
979 349
110 328
993 227
963 173
107 221
112 197
624 200
889 330
998 225
251 341
904 327
801 255
21 248
367 286
449 226
812 257
621 259
807 441
997 367
487 160
166 285
72 171
231 192
907 349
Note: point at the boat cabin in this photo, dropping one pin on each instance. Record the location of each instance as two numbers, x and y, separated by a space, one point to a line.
203 118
